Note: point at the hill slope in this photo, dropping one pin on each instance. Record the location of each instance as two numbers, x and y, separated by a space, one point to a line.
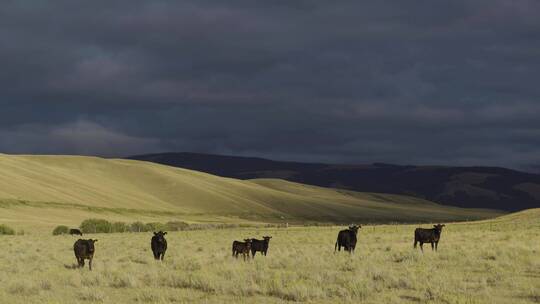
471 187
73 185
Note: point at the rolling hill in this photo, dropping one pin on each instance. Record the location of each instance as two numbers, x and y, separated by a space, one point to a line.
50 190
469 187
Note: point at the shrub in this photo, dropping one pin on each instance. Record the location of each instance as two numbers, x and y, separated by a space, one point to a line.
177 226
137 227
155 227
60 230
104 226
96 226
120 227
6 230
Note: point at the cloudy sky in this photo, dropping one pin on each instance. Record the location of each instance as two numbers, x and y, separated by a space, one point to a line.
411 82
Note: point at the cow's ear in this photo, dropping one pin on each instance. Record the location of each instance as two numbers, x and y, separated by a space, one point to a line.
164 232
155 233
435 226
95 241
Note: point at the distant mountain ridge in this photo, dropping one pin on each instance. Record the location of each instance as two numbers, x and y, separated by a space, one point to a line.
471 187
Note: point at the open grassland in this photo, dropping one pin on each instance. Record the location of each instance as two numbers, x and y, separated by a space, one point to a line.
45 191
495 261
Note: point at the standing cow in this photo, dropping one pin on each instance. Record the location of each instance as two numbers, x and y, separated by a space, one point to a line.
159 245
260 245
241 248
432 236
84 249
347 239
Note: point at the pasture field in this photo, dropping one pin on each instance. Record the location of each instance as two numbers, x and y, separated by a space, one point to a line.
492 261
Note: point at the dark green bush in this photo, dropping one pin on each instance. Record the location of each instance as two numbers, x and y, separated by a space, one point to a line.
96 226
6 230
60 230
120 227
176 226
155 227
104 226
137 227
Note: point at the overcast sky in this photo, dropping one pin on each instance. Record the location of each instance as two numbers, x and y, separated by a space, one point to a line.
409 82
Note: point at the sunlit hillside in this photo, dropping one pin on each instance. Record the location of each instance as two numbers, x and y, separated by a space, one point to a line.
48 190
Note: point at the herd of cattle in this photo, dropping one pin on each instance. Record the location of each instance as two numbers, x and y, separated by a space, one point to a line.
84 249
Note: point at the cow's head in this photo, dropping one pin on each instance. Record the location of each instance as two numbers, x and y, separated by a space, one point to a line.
355 228
248 242
267 238
90 244
438 227
160 236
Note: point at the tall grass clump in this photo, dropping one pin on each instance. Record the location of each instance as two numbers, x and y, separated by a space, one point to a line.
60 230
6 230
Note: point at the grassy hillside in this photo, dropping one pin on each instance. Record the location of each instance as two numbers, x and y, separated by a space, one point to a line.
49 189
493 261
470 187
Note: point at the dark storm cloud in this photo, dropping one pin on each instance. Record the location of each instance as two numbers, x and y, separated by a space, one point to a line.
348 81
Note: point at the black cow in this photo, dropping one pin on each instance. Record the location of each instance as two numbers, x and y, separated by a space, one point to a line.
241 248
84 249
159 245
75 232
347 239
260 245
432 236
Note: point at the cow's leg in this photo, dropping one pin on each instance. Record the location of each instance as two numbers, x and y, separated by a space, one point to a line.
422 246
162 255
432 246
90 263
415 241
436 245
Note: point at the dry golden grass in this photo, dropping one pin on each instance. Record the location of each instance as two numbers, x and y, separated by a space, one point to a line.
64 190
494 261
